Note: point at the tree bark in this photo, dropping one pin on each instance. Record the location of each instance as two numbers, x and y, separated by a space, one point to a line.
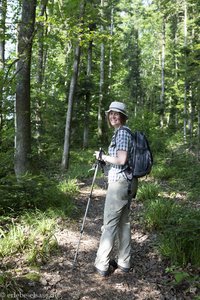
3 10
198 133
185 84
173 116
87 97
66 150
40 70
110 50
162 95
23 124
101 82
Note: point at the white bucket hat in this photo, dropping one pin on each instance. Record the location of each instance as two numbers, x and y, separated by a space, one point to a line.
118 107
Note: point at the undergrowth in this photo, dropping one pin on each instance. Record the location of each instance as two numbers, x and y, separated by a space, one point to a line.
171 206
30 209
171 209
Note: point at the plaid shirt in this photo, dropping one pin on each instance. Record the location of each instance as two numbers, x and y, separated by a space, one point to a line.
121 140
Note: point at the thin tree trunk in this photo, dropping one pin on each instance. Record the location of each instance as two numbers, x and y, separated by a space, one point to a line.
192 97
185 84
101 83
110 51
162 96
3 10
198 133
23 124
138 92
87 97
66 150
173 119
191 117
40 70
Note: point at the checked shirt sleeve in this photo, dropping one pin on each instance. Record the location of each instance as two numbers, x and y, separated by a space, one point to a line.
122 140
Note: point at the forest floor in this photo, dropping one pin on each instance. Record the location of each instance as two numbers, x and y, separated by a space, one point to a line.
147 279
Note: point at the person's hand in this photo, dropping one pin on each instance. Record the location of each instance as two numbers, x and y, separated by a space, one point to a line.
98 155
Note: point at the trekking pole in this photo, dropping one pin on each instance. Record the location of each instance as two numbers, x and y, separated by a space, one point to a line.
87 207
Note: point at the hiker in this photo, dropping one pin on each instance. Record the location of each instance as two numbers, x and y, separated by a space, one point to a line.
116 225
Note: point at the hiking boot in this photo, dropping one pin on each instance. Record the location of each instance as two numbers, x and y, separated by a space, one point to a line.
124 270
114 264
112 267
104 274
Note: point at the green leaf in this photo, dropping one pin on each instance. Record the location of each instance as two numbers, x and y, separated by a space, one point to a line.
180 276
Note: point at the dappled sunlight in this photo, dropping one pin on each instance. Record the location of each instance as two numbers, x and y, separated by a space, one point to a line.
140 237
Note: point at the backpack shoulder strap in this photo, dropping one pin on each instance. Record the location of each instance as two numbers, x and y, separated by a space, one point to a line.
125 128
128 130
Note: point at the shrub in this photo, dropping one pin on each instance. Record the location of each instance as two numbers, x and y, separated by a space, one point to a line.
147 191
180 241
158 213
33 235
35 192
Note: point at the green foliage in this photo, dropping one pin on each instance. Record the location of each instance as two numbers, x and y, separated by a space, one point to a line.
6 162
32 207
148 123
33 235
158 213
179 230
81 164
40 250
177 167
36 191
180 241
189 170
182 276
163 169
144 121
163 172
9 286
20 234
147 191
13 242
169 212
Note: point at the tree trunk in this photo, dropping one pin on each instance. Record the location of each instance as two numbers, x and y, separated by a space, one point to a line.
87 97
198 133
101 83
110 50
162 95
23 125
40 71
3 10
185 84
173 116
66 150
191 117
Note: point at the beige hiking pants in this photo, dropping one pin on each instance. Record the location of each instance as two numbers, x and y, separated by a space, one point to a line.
116 224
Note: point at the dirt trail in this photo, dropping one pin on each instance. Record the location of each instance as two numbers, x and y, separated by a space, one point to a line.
147 279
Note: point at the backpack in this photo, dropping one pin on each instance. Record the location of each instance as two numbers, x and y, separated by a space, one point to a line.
142 158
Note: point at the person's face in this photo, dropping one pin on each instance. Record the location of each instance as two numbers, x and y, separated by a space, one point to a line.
114 119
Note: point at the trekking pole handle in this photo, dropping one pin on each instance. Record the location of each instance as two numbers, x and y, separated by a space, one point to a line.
100 153
100 161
